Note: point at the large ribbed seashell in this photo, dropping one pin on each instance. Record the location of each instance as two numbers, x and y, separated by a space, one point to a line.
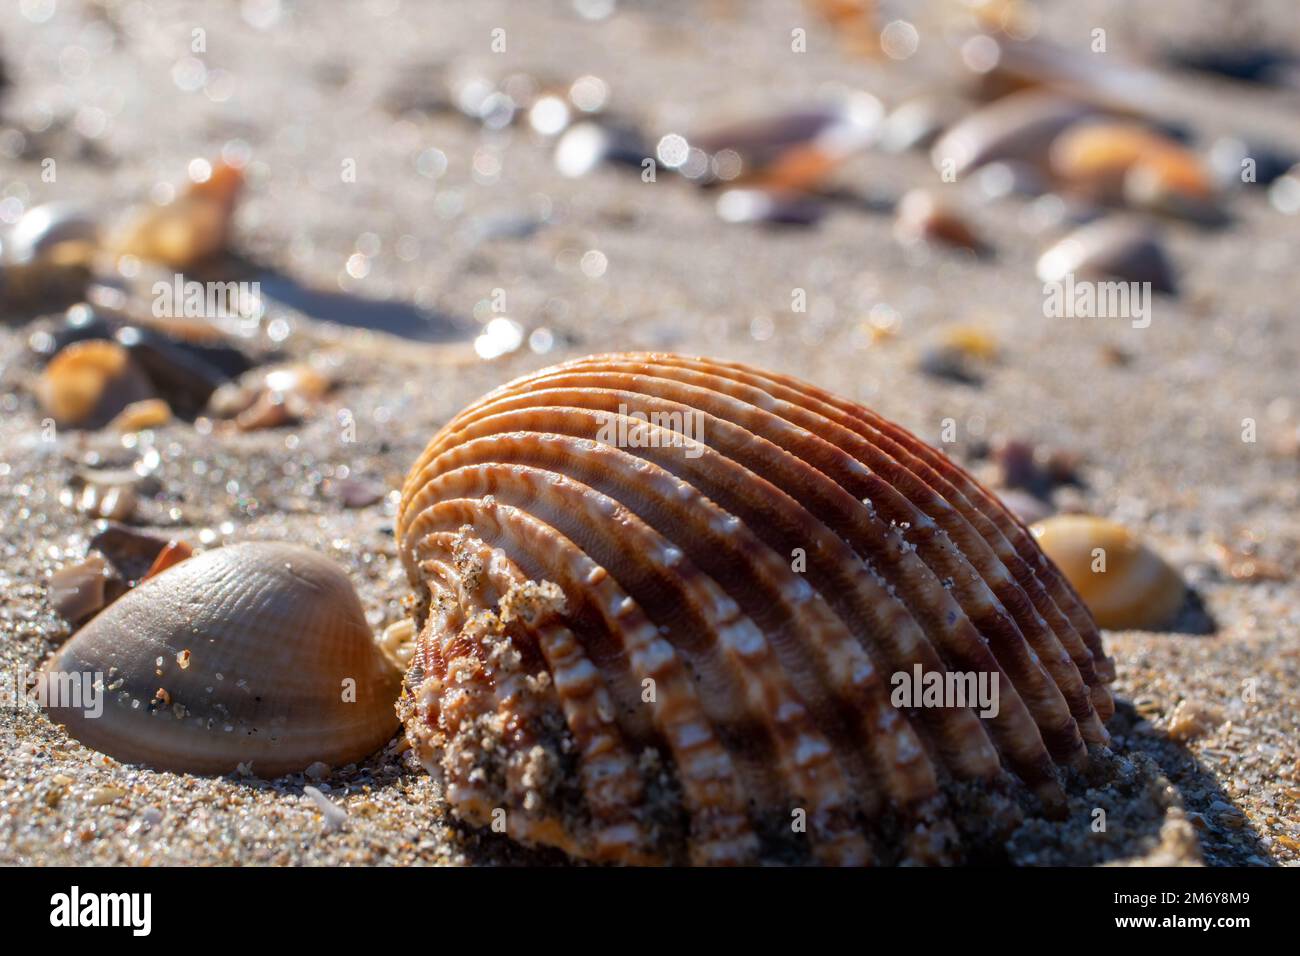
256 654
660 600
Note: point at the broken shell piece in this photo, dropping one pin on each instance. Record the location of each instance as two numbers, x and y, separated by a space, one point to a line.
959 353
791 152
584 146
1172 188
1125 584
283 669
560 571
971 340
79 591
106 494
764 206
185 365
1020 127
397 642
1190 720
139 416
270 397
48 255
923 218
918 122
89 383
42 229
172 554
1111 161
129 551
114 502
271 409
303 380
192 229
1109 249
1094 157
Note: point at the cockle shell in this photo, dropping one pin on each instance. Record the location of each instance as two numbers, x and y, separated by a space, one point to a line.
253 654
1124 583
659 601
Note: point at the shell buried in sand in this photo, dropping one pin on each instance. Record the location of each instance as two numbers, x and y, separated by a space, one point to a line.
659 601
253 654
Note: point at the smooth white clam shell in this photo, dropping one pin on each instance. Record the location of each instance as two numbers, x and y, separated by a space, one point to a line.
281 670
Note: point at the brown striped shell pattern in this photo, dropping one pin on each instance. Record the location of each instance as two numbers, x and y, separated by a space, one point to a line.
661 602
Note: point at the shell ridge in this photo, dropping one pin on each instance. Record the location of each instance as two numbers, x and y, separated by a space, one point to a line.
720 828
729 653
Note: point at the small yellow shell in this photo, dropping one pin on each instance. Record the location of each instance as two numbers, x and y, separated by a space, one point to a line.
148 413
254 654
1125 584
88 383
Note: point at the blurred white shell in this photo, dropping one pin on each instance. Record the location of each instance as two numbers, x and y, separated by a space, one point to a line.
256 654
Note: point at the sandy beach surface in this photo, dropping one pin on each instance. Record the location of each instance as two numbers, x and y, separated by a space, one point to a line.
1206 763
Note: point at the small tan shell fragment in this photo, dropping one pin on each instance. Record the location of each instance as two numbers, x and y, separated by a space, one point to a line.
659 601
1125 584
270 397
114 502
88 383
923 218
1124 161
790 152
397 642
271 410
1191 719
264 653
173 553
78 591
192 229
138 416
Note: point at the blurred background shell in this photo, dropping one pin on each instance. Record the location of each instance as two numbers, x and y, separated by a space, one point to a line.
1124 583
660 600
253 654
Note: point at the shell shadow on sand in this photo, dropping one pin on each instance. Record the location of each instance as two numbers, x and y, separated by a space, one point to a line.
376 315
1131 786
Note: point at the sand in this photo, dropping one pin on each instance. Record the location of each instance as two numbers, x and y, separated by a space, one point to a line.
1158 436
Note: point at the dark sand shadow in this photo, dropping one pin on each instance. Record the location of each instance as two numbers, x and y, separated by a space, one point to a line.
376 315
1199 788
